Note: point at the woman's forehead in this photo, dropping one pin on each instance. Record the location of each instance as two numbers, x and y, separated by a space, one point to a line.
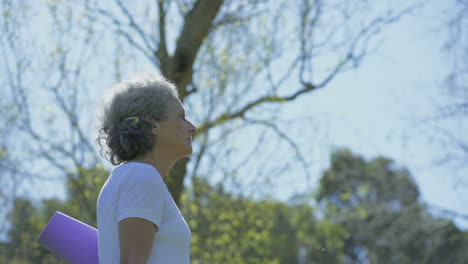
179 108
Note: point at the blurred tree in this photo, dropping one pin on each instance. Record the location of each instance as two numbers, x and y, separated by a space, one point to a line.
368 218
27 220
453 110
455 47
83 194
9 172
378 204
26 224
228 229
446 126
456 84
225 229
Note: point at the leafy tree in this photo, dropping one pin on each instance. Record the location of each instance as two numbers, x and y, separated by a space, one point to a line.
373 213
26 224
225 228
27 220
229 229
378 204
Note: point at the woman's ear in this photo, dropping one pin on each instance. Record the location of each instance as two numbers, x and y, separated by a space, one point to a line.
154 129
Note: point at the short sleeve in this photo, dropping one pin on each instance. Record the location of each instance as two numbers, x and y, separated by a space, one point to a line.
141 196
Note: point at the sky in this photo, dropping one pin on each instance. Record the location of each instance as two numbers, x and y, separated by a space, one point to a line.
373 110
393 90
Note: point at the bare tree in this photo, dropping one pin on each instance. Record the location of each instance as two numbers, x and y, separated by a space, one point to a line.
37 68
446 127
456 84
448 122
457 79
235 64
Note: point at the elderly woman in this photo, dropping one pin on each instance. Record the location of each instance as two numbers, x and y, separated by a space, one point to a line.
145 132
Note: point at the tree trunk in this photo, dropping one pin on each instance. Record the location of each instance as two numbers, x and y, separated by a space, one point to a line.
179 69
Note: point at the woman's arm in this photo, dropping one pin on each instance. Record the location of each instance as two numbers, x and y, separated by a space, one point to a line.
136 240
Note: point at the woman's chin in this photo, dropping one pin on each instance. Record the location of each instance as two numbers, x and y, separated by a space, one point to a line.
188 152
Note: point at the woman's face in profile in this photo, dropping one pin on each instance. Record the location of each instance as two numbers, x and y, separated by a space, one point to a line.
174 136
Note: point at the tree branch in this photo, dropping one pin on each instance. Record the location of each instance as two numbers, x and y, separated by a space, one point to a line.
285 137
307 87
134 25
161 53
197 24
118 28
449 212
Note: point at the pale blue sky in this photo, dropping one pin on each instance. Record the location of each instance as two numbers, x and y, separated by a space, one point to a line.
380 102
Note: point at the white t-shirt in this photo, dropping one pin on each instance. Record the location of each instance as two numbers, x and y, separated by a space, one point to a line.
137 190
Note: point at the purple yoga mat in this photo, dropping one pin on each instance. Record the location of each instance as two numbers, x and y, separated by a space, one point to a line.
70 239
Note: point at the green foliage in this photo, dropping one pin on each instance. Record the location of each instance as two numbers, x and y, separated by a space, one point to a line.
227 229
28 220
372 213
3 152
23 247
378 205
83 192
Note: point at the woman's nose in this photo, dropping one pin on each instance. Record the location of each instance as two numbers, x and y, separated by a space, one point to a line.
193 129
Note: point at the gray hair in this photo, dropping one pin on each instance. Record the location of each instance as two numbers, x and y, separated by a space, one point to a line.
122 126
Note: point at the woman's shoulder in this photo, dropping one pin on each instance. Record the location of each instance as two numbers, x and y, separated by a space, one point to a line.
139 172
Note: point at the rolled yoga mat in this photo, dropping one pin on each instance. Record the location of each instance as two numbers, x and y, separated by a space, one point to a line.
70 239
